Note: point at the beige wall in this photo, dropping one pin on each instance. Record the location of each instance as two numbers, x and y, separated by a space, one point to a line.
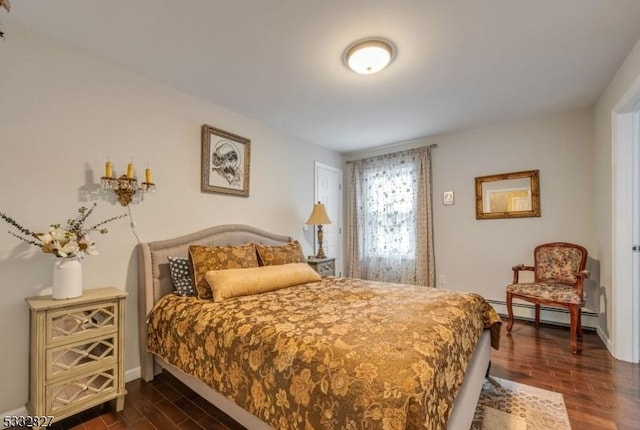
61 114
477 255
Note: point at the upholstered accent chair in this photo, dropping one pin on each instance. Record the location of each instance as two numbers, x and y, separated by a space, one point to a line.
559 273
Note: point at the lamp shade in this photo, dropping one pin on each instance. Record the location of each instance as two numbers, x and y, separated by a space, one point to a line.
318 215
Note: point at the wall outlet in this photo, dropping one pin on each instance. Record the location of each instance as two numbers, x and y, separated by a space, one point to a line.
442 279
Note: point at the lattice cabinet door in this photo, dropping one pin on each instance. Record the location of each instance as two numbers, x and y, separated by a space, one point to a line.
76 356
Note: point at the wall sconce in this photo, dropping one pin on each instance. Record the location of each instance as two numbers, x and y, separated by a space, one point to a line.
319 217
126 186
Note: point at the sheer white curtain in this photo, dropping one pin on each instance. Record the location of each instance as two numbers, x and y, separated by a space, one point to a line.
390 235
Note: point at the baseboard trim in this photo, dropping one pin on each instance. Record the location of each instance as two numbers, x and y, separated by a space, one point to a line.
131 374
548 314
605 339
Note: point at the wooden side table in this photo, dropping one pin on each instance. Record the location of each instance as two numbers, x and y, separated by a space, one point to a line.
76 357
324 266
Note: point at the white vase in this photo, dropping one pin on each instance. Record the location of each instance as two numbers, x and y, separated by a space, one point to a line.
67 278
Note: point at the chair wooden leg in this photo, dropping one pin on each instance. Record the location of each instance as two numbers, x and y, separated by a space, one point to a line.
537 323
509 311
573 329
579 330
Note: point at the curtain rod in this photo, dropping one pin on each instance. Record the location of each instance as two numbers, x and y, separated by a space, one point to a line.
433 145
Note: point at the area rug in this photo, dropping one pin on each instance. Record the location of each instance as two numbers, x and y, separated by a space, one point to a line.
508 405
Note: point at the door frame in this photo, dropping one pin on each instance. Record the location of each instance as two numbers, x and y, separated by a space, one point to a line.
625 119
319 165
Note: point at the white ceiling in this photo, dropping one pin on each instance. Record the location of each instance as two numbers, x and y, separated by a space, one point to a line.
459 64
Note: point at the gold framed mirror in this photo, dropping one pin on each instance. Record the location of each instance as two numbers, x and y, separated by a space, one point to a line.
508 195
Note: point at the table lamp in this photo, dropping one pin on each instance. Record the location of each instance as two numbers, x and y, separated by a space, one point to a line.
319 217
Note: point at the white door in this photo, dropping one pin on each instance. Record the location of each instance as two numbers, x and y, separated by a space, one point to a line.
329 192
635 231
626 223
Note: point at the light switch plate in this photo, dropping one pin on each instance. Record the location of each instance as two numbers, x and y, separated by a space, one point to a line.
448 198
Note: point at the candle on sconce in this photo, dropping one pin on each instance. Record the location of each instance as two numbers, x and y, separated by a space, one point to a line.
130 170
108 169
147 174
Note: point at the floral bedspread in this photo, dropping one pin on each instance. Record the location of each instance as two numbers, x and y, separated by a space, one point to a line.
335 354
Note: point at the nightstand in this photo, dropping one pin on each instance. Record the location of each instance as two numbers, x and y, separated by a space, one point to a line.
76 357
324 266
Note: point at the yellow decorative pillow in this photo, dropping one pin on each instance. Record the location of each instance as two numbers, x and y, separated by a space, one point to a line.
243 282
269 255
206 258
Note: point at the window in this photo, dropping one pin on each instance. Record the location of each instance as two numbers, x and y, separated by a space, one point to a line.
389 203
390 235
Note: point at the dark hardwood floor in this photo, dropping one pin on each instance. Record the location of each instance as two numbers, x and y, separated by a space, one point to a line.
600 392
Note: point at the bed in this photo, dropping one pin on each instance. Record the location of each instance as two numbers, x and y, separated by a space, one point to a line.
323 354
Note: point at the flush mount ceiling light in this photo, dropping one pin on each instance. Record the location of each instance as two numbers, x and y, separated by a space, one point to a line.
369 55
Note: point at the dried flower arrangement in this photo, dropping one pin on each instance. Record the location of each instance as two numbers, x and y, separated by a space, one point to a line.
6 5
71 240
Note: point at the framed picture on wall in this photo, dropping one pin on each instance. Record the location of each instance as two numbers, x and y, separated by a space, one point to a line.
225 162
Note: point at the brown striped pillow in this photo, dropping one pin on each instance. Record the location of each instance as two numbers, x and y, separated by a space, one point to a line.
270 255
206 258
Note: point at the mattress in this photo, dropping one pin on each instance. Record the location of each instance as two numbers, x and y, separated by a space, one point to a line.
337 353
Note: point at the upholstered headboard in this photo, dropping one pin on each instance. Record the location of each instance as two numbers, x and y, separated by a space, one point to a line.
154 280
